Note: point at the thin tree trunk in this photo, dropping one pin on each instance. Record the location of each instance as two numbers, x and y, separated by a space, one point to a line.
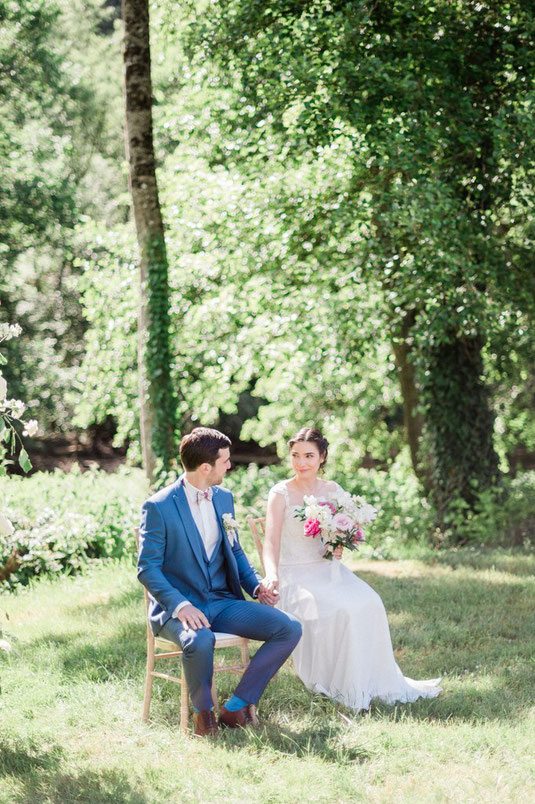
157 401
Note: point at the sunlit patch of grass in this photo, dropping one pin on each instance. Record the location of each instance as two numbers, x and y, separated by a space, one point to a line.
71 695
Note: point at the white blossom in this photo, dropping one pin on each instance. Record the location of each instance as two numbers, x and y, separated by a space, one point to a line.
8 331
17 408
31 427
3 388
6 528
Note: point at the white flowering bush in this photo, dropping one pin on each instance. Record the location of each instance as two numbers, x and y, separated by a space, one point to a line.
56 523
11 411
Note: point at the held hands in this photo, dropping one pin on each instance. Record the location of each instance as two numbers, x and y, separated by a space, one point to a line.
193 618
268 591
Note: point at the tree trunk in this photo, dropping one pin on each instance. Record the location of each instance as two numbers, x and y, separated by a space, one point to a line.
459 424
157 401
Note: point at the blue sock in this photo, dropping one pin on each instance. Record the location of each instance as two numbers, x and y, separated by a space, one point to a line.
198 710
234 703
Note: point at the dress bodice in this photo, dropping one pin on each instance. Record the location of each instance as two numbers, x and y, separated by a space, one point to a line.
296 548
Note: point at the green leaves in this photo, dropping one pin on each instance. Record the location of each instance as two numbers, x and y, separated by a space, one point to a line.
24 461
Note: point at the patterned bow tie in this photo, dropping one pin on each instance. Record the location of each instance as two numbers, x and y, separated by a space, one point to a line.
204 495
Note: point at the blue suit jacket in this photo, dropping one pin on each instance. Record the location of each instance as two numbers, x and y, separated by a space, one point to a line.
170 563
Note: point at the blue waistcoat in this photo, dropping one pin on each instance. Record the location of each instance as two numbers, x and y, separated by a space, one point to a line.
217 569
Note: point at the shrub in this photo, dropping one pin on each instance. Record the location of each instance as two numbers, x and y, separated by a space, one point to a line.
504 514
63 521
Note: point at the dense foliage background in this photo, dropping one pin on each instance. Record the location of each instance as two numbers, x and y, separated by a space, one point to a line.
348 196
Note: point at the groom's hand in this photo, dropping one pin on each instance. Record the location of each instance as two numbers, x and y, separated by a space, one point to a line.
268 592
266 596
193 618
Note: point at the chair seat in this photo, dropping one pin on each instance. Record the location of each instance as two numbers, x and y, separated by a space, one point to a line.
221 639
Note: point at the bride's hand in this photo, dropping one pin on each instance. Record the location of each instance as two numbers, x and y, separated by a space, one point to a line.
268 591
338 551
271 583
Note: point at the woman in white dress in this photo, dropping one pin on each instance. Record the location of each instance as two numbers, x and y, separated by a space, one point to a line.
345 651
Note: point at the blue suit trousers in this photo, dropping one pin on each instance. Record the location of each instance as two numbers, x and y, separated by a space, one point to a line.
279 632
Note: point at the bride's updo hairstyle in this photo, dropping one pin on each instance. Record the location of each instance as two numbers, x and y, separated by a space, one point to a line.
313 435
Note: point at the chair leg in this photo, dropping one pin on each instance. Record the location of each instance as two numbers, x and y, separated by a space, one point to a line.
184 702
149 679
245 652
214 694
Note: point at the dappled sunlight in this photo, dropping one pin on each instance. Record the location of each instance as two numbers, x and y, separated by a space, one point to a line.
84 669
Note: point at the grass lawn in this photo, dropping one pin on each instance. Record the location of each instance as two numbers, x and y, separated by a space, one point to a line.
71 695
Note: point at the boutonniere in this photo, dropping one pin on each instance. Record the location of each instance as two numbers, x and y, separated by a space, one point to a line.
231 528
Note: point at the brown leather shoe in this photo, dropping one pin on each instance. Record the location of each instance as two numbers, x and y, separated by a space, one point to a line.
246 716
204 723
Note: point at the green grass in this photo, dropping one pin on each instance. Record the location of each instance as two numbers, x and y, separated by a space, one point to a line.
72 686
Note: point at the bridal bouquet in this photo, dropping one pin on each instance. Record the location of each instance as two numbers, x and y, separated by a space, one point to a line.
338 522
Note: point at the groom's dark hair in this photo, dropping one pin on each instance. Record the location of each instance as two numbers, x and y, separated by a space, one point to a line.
202 445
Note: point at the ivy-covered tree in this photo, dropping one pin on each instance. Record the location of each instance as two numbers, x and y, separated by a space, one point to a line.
434 101
157 398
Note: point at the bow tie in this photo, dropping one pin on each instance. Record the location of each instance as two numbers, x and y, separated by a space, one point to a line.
204 495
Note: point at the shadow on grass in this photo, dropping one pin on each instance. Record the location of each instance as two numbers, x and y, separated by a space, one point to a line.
476 631
119 656
40 776
326 742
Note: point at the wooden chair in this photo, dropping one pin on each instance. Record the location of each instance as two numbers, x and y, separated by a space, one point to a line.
158 648
257 526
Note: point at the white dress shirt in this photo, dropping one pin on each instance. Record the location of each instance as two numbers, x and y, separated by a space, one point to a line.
205 518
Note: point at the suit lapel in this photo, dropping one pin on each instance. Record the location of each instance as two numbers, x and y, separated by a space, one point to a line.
217 500
190 528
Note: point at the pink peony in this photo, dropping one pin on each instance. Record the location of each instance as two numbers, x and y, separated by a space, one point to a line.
312 527
343 522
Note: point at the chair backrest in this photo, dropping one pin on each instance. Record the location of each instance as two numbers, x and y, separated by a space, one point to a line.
145 593
257 526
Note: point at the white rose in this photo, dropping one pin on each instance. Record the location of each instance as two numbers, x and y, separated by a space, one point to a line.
3 388
313 511
365 514
31 427
6 528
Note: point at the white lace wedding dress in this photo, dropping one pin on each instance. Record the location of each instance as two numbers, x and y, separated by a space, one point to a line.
345 651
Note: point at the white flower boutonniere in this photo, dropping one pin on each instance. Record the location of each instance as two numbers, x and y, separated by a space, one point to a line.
231 528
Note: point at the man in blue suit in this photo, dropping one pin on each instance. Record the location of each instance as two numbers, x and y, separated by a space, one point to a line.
194 568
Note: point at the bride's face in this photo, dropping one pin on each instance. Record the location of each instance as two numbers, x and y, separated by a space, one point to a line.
306 459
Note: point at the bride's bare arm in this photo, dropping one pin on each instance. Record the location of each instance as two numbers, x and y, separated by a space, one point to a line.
272 539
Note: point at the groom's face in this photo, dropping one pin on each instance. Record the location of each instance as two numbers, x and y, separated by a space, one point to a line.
220 467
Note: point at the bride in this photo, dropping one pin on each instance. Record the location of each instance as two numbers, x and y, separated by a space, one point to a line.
345 651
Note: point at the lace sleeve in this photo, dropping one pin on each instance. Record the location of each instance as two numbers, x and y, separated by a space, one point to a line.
335 488
279 489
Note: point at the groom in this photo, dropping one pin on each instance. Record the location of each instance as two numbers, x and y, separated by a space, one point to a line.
194 568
